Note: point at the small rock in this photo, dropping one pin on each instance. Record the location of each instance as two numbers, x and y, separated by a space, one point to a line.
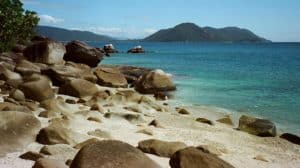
17 95
261 158
156 123
95 119
49 163
183 111
146 131
30 155
160 96
70 101
99 133
291 138
205 121
160 148
226 120
58 149
97 107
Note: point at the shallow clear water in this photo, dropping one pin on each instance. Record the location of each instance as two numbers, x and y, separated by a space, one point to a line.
260 79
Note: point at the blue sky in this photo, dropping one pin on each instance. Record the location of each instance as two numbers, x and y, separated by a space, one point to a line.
277 20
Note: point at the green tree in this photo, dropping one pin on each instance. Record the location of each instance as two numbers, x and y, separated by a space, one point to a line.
16 24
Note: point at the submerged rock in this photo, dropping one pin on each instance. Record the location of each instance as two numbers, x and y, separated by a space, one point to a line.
80 52
155 81
160 148
109 48
256 126
30 155
109 154
136 49
194 158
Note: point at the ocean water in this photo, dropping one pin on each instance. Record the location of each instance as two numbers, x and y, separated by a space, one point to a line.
257 79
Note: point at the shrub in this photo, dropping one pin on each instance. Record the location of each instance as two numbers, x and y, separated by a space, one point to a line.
16 24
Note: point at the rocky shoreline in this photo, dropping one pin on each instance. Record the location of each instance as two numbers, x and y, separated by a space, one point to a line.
60 108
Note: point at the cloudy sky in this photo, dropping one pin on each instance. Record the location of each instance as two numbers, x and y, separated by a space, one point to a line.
277 20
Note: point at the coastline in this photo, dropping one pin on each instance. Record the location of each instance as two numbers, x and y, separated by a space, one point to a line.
76 105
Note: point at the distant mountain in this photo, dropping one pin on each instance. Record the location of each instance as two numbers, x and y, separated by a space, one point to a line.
61 34
194 33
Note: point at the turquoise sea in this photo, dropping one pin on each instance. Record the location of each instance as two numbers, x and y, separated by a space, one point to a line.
262 79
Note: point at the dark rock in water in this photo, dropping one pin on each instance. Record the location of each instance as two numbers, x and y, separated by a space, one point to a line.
80 52
17 130
37 87
155 81
160 148
110 77
47 52
194 158
291 137
205 121
78 88
49 163
256 126
109 48
110 154
136 49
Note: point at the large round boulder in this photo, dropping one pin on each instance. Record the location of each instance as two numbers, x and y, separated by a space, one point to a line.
47 52
257 126
155 81
195 158
27 68
111 154
110 77
37 87
79 88
80 52
17 130
60 74
58 134
160 148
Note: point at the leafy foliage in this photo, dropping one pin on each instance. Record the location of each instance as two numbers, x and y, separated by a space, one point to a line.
16 24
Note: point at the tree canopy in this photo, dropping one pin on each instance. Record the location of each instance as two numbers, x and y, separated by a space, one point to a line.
16 24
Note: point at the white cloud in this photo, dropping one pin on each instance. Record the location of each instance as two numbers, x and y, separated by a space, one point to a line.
118 32
46 19
150 31
106 30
